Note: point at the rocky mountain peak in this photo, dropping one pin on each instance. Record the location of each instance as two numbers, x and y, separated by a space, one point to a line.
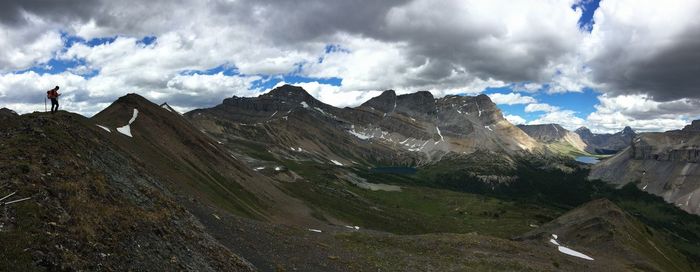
385 102
289 93
694 126
584 133
419 103
627 131
583 130
133 99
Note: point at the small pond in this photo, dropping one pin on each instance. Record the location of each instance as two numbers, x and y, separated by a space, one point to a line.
394 170
587 159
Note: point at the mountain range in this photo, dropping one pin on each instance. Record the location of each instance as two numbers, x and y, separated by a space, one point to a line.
284 182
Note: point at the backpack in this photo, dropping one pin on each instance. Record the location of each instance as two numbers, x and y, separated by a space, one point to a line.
51 94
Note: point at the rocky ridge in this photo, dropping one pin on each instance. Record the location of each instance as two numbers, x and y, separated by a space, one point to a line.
606 143
661 163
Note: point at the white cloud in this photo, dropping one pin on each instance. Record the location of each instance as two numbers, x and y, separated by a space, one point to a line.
515 119
535 107
645 47
530 87
565 118
24 46
641 113
511 98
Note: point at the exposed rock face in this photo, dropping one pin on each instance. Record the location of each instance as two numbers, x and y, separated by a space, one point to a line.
663 163
554 133
386 102
390 129
606 143
5 112
694 126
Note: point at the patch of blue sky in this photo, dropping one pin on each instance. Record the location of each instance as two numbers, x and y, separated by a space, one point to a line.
267 82
332 49
78 66
57 66
225 69
70 40
147 40
580 102
588 8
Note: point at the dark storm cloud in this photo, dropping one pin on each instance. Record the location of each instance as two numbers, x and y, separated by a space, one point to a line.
669 74
443 40
12 11
434 35
301 20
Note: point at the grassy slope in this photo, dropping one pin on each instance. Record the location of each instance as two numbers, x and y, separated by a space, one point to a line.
448 202
414 210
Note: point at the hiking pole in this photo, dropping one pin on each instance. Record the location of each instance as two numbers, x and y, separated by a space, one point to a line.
45 110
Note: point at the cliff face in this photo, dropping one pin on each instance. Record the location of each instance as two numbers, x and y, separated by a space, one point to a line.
555 136
665 164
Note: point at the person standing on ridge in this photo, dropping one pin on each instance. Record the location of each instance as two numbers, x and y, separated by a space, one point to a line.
53 95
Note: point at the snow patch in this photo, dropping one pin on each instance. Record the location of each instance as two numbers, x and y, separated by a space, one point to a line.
567 250
303 104
316 230
574 253
105 128
273 114
553 241
438 131
277 168
488 127
126 130
259 168
353 227
357 134
336 162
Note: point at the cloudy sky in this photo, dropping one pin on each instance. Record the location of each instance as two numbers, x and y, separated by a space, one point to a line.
602 64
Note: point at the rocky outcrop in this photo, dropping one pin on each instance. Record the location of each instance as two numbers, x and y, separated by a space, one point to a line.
694 126
7 113
666 164
606 143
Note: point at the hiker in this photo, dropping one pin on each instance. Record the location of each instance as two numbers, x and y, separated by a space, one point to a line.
53 95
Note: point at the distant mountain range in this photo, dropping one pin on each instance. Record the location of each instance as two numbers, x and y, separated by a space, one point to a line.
606 143
390 129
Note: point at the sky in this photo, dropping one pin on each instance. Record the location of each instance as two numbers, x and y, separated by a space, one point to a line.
600 64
